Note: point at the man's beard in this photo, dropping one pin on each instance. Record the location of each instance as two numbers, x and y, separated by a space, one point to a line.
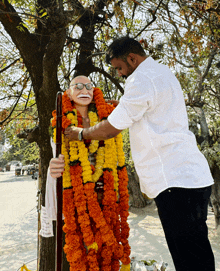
129 71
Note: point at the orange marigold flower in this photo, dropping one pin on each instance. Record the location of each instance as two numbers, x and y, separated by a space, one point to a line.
54 113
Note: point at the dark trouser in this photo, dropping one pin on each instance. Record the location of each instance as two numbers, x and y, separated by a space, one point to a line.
183 214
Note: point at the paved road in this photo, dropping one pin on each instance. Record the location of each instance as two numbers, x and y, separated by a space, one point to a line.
18 221
18 227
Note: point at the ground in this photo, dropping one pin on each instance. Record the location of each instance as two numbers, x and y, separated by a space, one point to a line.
147 238
18 227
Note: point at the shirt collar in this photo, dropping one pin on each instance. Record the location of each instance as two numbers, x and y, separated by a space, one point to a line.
146 64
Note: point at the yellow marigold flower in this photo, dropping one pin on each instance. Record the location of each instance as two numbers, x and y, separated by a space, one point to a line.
93 147
73 117
109 153
66 173
115 174
54 135
24 268
93 121
126 267
93 118
83 157
99 164
120 152
66 180
93 246
73 151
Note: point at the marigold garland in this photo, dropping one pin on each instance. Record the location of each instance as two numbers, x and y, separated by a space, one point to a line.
96 227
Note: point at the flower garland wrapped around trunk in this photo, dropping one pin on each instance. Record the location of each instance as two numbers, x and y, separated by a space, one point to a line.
95 197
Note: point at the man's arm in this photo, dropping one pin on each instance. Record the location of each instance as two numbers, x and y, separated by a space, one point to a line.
101 131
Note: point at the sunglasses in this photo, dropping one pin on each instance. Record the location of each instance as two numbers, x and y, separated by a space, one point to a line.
80 86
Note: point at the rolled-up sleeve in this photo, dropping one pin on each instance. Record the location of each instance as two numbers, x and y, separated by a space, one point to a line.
133 104
119 118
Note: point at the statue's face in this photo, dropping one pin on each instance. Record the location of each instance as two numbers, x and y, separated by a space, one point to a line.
81 91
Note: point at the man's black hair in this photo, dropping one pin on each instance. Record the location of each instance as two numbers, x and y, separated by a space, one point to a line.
122 47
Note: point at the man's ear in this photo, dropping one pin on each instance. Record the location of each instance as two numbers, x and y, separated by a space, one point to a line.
68 92
132 59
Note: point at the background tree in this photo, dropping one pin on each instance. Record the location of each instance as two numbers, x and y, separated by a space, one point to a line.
21 150
45 44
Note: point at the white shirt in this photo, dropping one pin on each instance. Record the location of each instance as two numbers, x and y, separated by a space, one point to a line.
164 151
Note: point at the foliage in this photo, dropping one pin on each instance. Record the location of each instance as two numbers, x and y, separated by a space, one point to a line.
212 154
127 150
2 137
21 150
3 162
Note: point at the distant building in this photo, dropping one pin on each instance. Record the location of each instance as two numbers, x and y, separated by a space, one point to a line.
14 164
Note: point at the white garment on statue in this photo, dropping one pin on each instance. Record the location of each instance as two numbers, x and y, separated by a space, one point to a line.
164 151
50 197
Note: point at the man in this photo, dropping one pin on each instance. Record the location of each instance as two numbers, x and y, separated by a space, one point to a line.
171 169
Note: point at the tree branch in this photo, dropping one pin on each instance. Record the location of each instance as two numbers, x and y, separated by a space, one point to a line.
51 60
3 121
153 13
25 42
201 78
112 79
138 34
32 135
9 65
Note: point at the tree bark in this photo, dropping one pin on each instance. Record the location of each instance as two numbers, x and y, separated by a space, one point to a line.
46 104
136 198
215 196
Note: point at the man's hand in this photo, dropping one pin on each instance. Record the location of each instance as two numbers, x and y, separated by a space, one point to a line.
72 133
57 166
101 131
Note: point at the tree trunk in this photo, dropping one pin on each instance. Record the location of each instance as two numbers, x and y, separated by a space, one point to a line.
215 196
49 253
136 198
